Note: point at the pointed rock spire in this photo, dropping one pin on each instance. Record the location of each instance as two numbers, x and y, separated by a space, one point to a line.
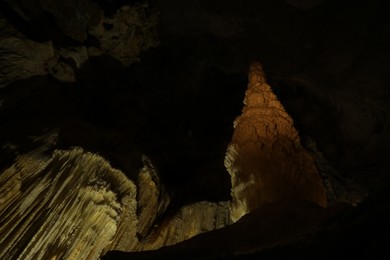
265 158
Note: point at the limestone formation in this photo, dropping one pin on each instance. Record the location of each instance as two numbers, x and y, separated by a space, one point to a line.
67 206
190 221
22 58
73 205
128 33
124 37
152 197
265 158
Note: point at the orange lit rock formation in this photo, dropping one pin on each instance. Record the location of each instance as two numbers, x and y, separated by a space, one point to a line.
265 158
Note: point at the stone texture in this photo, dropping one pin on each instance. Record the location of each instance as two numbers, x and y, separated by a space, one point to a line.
64 65
338 50
190 221
124 36
265 159
153 199
22 58
73 204
66 206
128 33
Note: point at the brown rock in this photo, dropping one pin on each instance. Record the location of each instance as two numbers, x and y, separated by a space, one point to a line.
22 58
265 159
191 220
129 32
152 198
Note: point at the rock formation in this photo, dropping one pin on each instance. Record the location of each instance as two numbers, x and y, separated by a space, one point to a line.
128 33
124 36
265 159
79 108
190 221
23 58
69 206
72 204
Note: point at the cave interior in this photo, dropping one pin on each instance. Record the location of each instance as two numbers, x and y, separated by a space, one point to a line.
161 84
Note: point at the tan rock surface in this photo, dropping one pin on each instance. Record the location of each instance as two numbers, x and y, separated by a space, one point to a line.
22 58
265 159
190 221
73 204
67 206
128 33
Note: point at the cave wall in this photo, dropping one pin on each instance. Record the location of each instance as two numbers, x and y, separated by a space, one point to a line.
166 79
73 204
326 61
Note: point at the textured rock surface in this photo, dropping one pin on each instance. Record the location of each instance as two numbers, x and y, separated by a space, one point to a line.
265 159
67 206
190 221
22 58
72 204
327 61
152 198
124 36
128 33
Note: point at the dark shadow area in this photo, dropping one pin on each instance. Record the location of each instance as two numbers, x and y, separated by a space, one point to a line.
300 229
180 118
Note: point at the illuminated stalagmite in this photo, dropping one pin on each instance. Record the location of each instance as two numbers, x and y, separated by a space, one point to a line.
265 158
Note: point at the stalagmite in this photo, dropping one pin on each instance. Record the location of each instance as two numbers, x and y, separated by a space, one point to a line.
265 158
